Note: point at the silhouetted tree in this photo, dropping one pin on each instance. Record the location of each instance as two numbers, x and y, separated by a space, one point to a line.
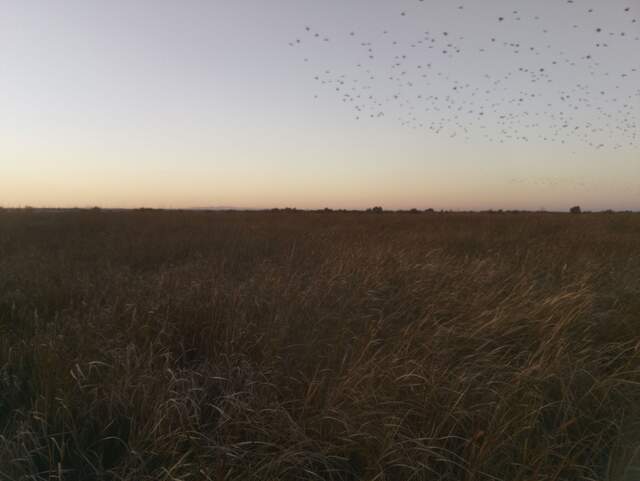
575 210
375 210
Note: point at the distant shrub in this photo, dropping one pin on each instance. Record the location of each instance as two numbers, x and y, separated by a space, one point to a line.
575 210
414 211
429 211
375 210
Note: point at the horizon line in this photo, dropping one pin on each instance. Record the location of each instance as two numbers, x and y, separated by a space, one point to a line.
373 209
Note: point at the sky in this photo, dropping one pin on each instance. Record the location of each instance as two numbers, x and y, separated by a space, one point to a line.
506 104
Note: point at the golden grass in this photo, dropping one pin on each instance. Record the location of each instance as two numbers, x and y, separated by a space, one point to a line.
320 346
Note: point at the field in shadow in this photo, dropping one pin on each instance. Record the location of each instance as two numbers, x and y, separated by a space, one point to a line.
159 345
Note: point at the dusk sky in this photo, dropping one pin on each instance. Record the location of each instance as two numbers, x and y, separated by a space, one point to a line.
344 104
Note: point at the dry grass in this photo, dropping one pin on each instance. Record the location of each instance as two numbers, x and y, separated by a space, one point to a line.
320 346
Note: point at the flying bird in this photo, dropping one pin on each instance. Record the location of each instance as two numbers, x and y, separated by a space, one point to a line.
545 90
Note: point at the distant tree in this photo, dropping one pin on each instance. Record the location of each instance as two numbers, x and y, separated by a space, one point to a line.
575 209
429 210
326 210
414 211
375 210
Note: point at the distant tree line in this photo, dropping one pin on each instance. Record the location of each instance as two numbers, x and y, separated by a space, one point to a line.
326 210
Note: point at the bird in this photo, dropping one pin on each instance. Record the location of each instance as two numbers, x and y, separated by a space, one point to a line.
546 91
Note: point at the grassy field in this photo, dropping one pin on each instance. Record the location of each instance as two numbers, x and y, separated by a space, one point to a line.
151 345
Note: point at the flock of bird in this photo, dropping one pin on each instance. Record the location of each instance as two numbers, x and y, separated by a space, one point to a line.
520 90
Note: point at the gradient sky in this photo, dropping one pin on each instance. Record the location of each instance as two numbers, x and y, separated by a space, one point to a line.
204 103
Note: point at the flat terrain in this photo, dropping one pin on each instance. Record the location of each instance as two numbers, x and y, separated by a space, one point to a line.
157 345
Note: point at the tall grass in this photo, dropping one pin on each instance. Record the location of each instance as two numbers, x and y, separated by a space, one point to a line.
342 346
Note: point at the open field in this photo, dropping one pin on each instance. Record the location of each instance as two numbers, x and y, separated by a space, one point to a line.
151 345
